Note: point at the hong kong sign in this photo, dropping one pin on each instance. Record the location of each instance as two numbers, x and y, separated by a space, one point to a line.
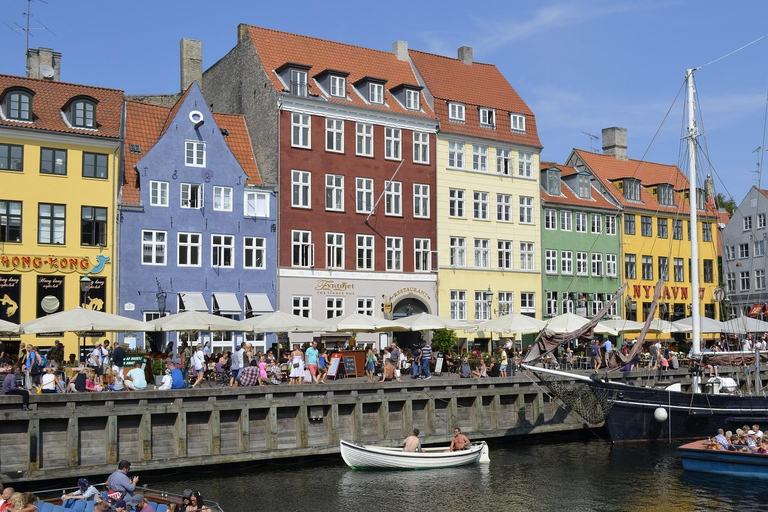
44 264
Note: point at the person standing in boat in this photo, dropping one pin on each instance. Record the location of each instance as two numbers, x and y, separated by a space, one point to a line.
412 443
459 441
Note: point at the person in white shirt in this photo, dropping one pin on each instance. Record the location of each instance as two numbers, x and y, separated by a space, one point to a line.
167 381
49 382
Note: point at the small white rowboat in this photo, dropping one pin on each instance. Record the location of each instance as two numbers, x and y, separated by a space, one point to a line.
381 457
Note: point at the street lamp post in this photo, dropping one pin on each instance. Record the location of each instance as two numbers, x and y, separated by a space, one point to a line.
85 287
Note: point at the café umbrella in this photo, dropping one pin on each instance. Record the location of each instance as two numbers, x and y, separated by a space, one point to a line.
623 325
356 322
279 322
8 327
196 321
427 322
743 325
707 325
663 326
569 322
512 323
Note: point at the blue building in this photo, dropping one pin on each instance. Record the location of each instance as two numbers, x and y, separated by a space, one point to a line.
196 227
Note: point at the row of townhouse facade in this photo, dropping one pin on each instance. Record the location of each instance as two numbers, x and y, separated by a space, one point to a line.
324 179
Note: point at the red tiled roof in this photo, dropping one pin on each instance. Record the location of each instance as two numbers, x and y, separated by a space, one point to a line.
569 197
51 97
145 124
475 85
276 48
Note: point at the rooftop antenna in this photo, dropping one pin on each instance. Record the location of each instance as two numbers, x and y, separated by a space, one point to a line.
592 140
758 170
28 30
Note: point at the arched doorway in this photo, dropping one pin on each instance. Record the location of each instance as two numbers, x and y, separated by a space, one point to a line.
408 307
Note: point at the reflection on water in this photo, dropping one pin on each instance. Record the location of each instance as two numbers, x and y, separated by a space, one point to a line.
540 476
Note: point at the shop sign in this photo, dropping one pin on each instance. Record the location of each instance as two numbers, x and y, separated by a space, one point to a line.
50 298
668 292
44 264
10 298
333 287
403 291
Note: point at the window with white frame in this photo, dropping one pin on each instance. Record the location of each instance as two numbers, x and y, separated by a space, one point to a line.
334 135
663 268
422 254
760 220
613 310
222 199
298 85
376 93
191 196
567 303
759 248
393 198
256 204
747 221
730 252
632 189
302 306
527 302
153 245
526 210
364 137
566 262
334 250
679 269
595 307
479 158
482 306
503 162
338 86
585 186
456 203
412 99
597 264
458 246
630 266
517 122
363 195
504 207
365 306
254 252
647 268
300 189
189 247
334 306
666 195
551 306
334 192
300 130
458 304
421 201
610 224
597 223
706 231
158 193
611 265
527 256
550 219
365 252
582 264
394 245
456 112
759 279
195 153
302 254
456 155
392 143
731 281
744 280
566 220
223 251
505 254
488 117
550 261
421 147
581 222
743 251
506 303
481 205
482 253
525 164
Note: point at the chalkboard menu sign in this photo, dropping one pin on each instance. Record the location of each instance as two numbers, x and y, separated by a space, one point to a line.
333 369
349 366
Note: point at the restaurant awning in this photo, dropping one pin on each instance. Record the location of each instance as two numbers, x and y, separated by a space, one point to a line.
257 304
756 310
192 301
226 304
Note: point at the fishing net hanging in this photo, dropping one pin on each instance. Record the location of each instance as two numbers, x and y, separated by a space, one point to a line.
591 404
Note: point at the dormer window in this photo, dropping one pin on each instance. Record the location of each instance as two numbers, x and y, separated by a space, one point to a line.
665 195
517 122
83 114
338 86
632 189
18 106
553 183
376 93
585 186
412 100
456 112
488 117
298 85
700 198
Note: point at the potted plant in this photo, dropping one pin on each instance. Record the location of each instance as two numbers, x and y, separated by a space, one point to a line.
158 370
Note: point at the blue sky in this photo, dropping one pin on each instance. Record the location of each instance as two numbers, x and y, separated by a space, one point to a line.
580 65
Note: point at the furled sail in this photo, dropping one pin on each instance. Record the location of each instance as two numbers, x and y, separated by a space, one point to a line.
617 359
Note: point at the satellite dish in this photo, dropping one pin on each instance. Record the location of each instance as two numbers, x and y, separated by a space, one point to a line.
46 71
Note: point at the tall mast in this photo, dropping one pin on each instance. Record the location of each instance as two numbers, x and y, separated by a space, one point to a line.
692 135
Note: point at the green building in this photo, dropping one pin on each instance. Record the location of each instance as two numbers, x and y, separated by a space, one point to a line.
580 241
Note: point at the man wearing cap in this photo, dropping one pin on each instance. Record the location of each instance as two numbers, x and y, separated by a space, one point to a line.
119 481
85 491
121 506
752 441
186 499
139 504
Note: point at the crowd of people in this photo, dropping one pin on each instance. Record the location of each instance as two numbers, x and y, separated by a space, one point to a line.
745 439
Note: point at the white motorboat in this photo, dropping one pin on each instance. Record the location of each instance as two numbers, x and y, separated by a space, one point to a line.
361 456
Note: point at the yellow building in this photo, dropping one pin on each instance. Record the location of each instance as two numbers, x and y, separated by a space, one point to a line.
488 200
656 231
59 166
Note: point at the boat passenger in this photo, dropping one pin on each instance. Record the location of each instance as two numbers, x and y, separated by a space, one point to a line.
140 504
733 446
412 443
119 482
195 502
459 441
103 507
752 444
23 502
85 491
5 503
721 439
758 432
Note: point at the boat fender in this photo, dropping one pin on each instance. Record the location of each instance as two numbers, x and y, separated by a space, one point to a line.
484 458
660 414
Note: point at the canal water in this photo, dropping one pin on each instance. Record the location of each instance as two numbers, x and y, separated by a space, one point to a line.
527 476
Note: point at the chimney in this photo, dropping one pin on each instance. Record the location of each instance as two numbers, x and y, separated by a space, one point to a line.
191 63
465 55
615 142
400 49
43 63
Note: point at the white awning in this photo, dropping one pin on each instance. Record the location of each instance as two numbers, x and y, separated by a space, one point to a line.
192 301
257 304
226 303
